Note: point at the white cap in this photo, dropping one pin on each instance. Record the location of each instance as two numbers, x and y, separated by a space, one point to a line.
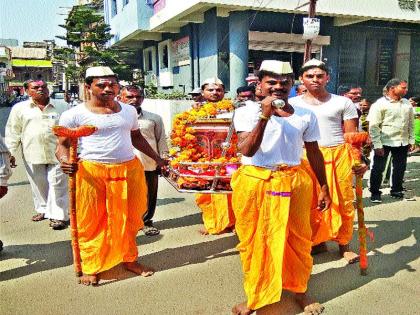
195 91
99 72
313 63
251 78
276 66
214 80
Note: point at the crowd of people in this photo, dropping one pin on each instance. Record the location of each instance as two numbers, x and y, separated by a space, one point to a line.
291 195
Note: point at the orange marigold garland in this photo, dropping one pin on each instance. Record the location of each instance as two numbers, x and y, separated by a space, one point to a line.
186 146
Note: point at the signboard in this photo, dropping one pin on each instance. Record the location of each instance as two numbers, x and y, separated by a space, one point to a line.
385 61
311 28
409 4
181 52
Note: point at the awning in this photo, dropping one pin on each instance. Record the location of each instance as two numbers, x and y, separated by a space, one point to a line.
269 41
31 63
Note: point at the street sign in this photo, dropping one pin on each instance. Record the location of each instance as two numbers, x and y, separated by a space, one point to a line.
311 28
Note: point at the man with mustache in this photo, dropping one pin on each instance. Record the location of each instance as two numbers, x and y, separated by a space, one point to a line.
111 196
336 115
273 194
152 129
29 126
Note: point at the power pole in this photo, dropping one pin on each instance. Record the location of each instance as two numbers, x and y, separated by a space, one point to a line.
308 44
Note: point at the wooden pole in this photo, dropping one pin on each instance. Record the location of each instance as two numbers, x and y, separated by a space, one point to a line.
74 134
308 44
357 139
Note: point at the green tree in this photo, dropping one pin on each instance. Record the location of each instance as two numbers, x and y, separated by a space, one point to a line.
87 35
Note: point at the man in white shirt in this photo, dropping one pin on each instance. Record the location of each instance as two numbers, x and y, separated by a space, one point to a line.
152 129
111 195
273 194
29 127
391 121
335 114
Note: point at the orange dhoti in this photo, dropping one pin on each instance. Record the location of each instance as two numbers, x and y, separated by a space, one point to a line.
111 201
336 223
217 211
272 210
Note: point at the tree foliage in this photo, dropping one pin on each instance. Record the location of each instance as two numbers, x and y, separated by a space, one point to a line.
87 34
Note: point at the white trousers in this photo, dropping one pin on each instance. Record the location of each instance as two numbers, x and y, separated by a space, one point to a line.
49 190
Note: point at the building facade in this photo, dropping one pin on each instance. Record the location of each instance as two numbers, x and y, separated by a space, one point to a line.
6 72
181 43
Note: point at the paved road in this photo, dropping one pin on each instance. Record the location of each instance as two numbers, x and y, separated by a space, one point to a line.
196 274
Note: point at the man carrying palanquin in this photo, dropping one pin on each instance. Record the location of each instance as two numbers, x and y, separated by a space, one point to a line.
217 211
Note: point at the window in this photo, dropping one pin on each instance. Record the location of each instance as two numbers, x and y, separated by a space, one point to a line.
164 54
114 7
149 59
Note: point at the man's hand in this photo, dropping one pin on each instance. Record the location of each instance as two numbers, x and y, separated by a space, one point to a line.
162 163
12 161
266 107
3 191
68 168
379 152
324 199
360 169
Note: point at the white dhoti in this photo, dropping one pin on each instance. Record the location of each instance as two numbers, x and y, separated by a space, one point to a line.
49 190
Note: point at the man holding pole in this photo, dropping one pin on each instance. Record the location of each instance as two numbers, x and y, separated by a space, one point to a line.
273 194
111 188
334 113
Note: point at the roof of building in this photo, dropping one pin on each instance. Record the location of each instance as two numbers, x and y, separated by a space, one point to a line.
31 63
29 53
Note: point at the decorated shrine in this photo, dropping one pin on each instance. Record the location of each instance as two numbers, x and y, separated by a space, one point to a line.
203 149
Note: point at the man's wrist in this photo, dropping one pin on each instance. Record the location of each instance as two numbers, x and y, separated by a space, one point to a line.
63 158
264 117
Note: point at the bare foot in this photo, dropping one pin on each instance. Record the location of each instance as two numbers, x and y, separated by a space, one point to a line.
139 269
241 309
308 305
89 280
318 249
348 255
203 231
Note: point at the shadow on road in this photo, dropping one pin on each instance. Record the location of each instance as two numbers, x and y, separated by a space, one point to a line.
168 201
187 220
411 183
326 286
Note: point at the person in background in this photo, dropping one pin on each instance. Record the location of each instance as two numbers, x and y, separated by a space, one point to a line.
415 102
352 92
301 89
152 129
5 172
29 127
245 93
391 128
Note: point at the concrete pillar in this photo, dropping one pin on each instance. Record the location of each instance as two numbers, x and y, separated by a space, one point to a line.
238 48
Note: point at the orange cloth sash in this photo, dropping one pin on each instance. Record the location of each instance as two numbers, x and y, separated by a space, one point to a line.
272 210
336 223
217 211
111 201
